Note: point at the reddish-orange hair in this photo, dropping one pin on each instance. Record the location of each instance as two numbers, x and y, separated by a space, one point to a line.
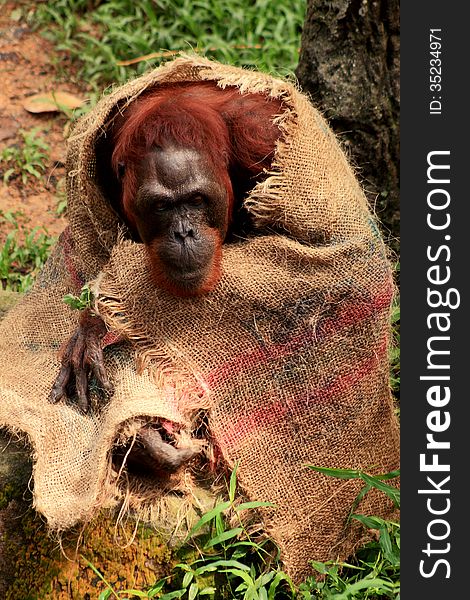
235 131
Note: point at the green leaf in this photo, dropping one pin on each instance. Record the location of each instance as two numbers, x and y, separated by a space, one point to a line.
214 566
101 577
30 169
364 584
82 302
340 473
6 176
220 508
374 481
390 475
386 545
262 593
183 567
242 574
188 577
157 587
248 505
353 473
247 543
219 524
172 595
392 492
233 484
266 578
276 581
73 301
193 590
369 522
226 535
321 567
358 498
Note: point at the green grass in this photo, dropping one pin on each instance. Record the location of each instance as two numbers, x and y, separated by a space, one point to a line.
23 254
24 251
253 33
95 35
231 566
26 160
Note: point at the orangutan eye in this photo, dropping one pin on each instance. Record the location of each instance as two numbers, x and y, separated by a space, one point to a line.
160 206
198 200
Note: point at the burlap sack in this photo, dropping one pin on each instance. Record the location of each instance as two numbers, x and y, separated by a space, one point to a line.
285 363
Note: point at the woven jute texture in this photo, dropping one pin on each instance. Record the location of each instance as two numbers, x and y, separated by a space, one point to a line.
285 362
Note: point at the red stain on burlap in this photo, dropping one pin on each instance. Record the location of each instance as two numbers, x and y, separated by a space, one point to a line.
348 314
270 409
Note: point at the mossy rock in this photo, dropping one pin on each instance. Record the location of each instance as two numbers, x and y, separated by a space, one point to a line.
37 565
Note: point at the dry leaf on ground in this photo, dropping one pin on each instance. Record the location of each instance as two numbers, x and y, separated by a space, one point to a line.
52 102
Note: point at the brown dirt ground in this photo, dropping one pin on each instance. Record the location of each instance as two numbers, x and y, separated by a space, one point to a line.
26 68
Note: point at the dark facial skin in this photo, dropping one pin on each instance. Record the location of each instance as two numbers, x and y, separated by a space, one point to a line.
181 214
179 202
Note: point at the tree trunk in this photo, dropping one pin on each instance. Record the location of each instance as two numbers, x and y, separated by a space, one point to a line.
349 64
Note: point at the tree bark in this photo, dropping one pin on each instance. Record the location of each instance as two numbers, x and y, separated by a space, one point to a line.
349 64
